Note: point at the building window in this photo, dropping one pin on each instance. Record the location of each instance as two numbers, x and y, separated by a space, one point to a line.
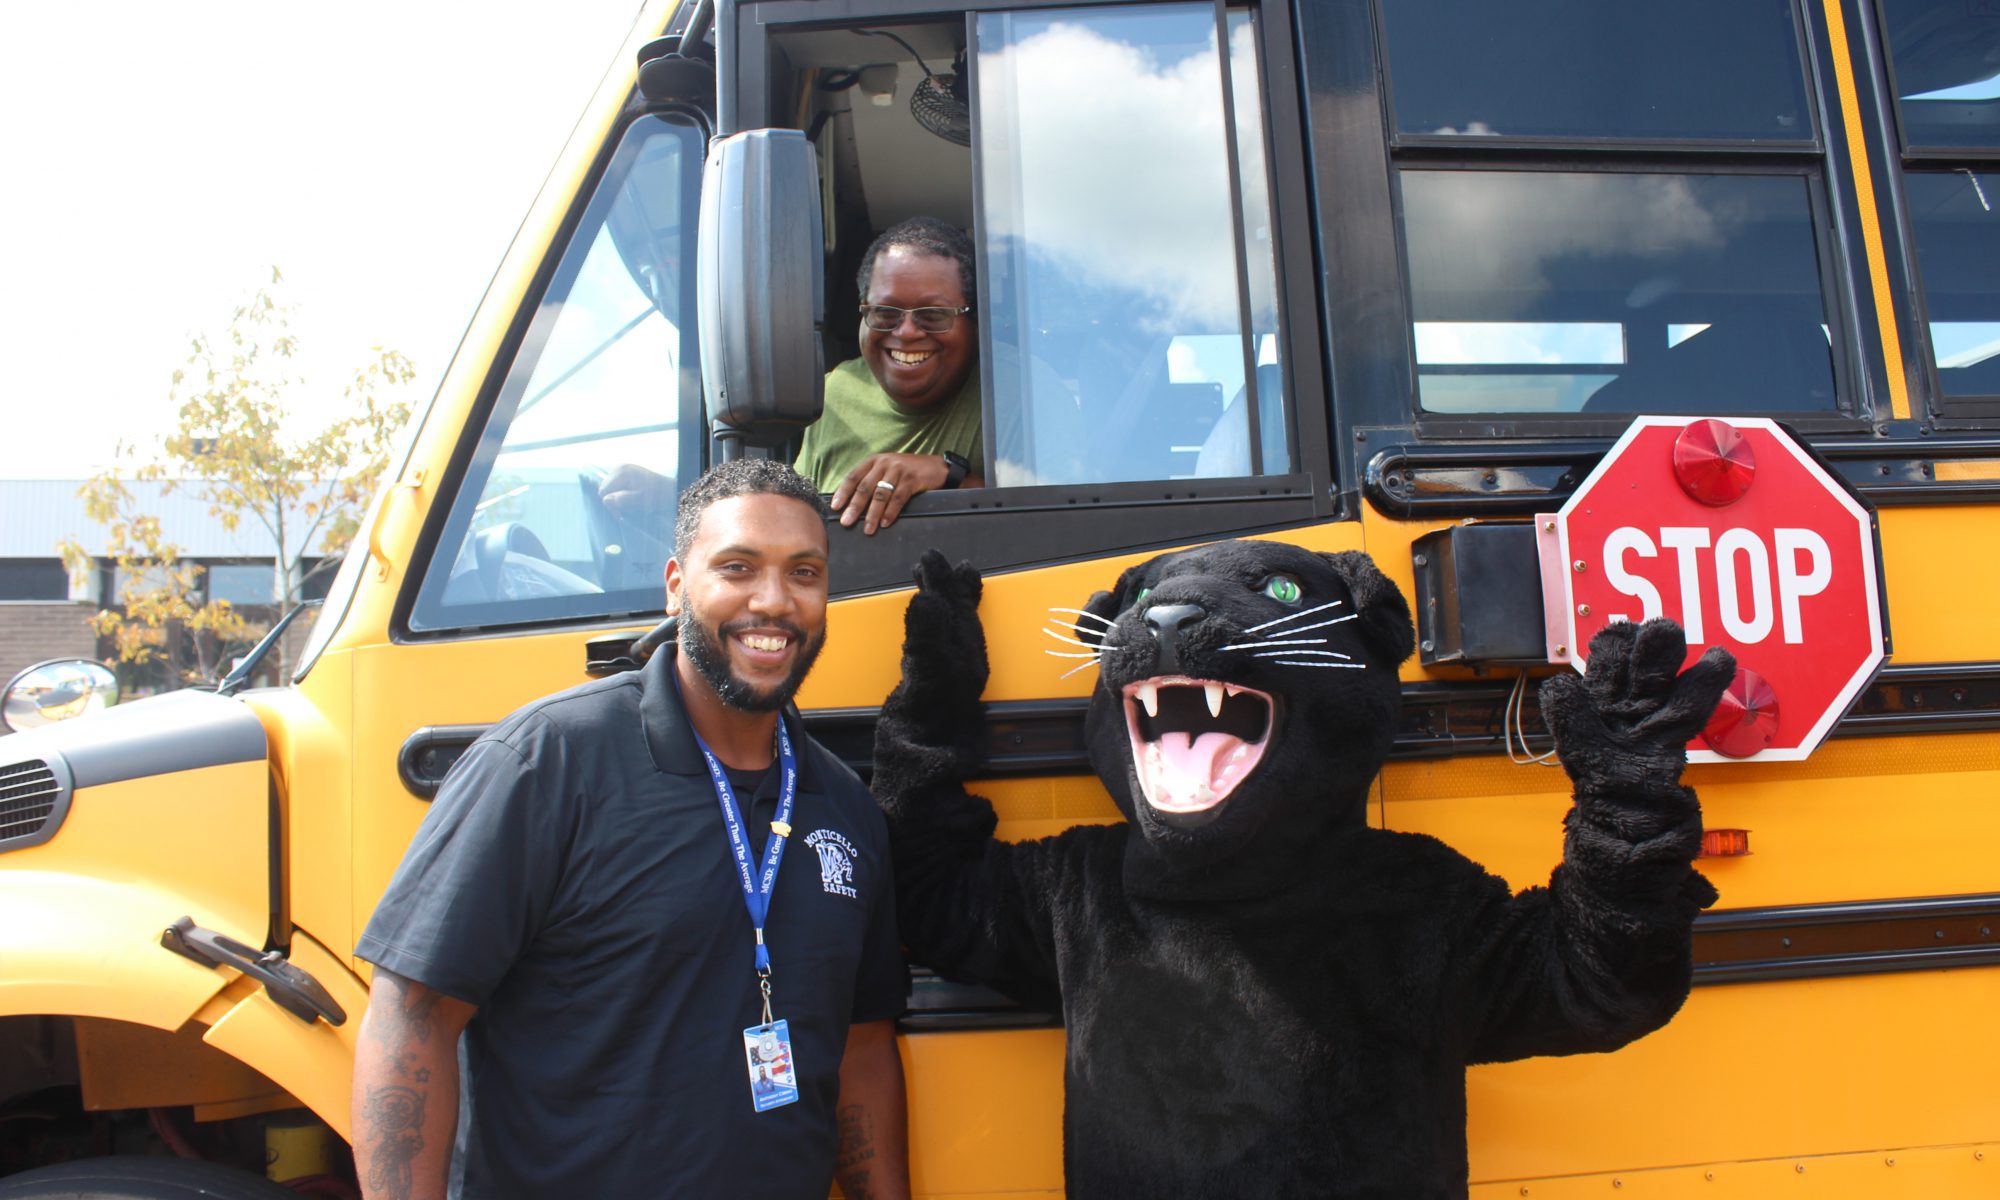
241 583
33 579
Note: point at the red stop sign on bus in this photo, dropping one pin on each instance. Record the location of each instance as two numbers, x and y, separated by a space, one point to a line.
1735 531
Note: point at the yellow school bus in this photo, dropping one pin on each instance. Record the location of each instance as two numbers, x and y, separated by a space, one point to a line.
1383 272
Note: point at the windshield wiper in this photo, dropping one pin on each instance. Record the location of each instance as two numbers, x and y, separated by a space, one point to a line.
240 674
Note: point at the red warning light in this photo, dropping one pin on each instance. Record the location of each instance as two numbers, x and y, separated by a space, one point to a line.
1714 463
1745 719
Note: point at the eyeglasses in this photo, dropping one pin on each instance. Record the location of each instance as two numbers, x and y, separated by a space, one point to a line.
886 318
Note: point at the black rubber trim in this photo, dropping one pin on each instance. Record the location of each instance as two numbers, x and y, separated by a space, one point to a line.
1744 945
1045 737
1749 945
938 1005
1508 479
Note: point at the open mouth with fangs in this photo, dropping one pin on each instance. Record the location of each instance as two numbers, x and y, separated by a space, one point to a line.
1194 740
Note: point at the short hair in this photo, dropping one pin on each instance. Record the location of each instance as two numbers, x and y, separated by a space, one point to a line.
925 235
738 477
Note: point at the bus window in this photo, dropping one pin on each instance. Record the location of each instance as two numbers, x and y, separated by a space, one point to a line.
1946 64
1675 278
1710 69
1945 55
1130 298
602 381
1554 292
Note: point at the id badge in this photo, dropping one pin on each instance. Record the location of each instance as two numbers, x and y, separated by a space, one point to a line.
774 1079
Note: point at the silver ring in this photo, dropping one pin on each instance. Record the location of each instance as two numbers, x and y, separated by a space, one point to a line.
883 485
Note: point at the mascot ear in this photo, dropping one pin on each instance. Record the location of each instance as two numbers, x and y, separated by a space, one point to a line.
1385 615
1107 605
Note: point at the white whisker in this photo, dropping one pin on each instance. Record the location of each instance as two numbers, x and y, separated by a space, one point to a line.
1319 653
1285 662
1070 654
1068 640
1268 645
1082 613
1303 613
1073 670
1316 624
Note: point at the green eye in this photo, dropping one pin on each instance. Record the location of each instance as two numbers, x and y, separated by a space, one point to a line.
1141 597
1283 588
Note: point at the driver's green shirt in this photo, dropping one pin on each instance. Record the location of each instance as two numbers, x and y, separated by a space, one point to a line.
861 420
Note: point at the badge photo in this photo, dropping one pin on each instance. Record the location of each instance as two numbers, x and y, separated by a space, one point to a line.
774 1080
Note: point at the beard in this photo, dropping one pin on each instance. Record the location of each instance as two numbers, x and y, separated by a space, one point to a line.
703 647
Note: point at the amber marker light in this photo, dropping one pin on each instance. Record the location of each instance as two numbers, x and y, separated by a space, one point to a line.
1725 843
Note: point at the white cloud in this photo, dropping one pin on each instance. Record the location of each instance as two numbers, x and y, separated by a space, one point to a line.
1118 156
1477 231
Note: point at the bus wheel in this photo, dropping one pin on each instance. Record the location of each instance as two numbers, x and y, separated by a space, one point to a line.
137 1177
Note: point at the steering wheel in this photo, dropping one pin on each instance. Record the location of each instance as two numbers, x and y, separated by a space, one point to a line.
489 555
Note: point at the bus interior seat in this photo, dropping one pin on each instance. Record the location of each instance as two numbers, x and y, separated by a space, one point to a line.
1226 450
1765 363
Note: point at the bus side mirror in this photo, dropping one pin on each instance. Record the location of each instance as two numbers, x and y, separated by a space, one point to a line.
759 296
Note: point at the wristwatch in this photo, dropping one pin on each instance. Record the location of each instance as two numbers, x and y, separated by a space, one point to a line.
955 469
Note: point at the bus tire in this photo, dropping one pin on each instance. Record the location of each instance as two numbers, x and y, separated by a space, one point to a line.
139 1177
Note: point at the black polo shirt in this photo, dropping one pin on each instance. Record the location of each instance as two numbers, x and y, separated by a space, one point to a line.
574 881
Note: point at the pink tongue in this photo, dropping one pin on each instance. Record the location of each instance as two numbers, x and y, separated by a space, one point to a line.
1192 763
1199 759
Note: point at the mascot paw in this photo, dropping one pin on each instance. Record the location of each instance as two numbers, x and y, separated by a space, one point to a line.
1630 716
944 647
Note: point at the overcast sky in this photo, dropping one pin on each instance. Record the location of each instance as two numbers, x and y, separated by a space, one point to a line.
162 157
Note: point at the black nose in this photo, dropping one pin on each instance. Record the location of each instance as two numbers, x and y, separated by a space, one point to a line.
1166 621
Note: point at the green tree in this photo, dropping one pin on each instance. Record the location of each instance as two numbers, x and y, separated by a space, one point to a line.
239 445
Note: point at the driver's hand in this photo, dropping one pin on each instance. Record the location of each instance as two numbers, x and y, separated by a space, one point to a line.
875 492
631 491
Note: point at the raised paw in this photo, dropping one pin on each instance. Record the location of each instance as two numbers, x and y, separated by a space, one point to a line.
1634 710
944 644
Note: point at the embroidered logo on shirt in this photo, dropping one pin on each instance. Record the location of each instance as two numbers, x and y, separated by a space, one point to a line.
836 861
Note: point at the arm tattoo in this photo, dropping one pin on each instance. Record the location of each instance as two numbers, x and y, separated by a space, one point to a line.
417 1010
855 1152
395 1118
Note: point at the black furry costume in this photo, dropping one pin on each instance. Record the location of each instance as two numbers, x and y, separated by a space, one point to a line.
1263 996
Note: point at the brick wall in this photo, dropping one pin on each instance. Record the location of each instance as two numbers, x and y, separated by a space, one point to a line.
34 630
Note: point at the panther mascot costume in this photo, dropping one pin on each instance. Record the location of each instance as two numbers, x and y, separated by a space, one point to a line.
1263 995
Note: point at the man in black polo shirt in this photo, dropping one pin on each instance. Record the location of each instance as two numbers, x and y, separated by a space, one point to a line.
583 900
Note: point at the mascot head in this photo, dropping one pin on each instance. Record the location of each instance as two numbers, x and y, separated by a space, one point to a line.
1247 695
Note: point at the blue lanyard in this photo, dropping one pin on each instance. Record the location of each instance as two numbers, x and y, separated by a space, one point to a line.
756 892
